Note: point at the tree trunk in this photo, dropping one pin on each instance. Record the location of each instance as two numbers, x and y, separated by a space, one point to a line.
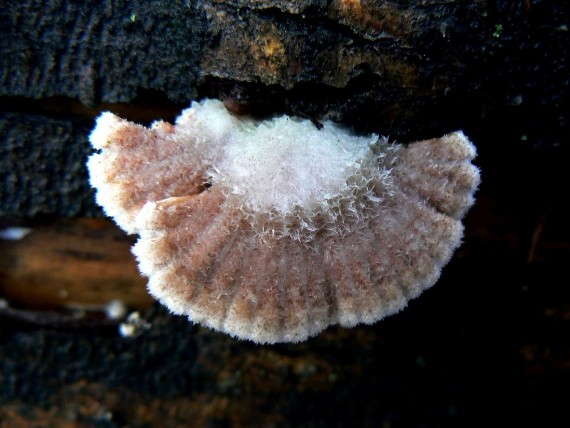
490 336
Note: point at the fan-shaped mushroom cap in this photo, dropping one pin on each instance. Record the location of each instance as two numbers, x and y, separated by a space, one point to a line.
273 230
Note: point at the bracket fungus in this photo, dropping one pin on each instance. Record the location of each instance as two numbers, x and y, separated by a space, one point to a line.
273 230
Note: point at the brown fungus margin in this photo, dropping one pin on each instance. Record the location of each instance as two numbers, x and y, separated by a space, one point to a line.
273 230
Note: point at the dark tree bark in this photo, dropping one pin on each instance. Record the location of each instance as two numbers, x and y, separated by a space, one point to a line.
408 69
490 336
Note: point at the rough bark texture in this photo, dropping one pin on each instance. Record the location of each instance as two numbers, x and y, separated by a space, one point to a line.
490 337
405 69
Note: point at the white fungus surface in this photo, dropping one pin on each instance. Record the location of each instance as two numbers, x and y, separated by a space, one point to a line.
273 230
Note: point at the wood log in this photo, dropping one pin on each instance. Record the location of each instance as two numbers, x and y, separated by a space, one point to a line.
76 264
490 336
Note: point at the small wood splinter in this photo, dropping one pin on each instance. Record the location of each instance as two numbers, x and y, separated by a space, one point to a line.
273 230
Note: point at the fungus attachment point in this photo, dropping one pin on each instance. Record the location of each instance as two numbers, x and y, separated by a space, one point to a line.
273 230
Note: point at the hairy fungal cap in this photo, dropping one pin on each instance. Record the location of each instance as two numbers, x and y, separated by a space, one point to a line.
290 178
351 227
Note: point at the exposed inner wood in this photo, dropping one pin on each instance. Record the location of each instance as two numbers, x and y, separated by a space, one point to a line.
71 264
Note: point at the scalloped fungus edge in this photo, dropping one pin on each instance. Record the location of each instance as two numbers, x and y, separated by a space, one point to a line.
273 230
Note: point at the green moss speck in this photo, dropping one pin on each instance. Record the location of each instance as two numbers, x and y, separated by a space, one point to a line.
498 30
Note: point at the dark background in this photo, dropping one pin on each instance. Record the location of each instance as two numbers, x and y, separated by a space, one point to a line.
488 345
